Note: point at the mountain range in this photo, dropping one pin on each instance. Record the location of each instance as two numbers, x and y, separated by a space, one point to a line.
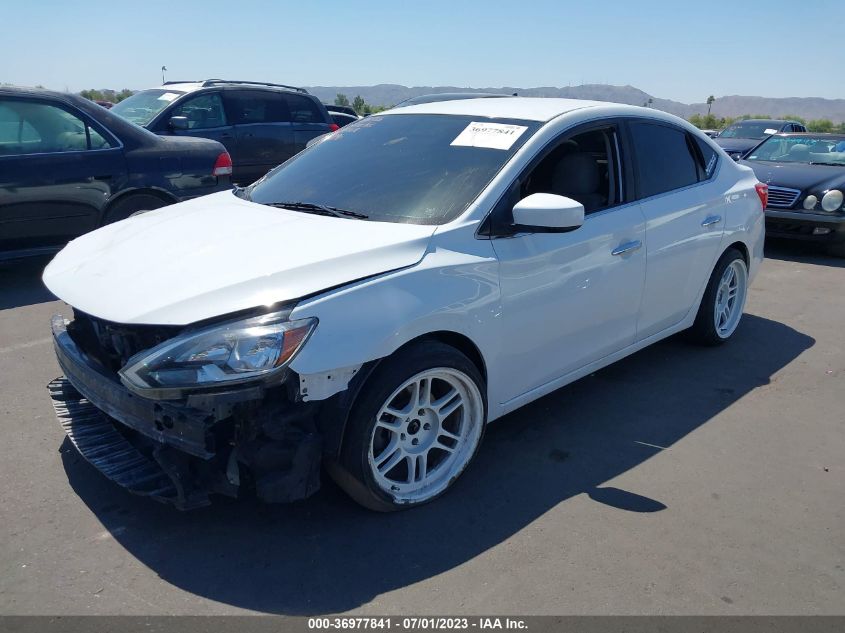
728 106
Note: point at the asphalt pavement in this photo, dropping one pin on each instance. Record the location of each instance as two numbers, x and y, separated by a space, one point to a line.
681 480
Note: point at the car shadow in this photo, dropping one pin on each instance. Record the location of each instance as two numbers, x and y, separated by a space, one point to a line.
803 252
21 285
327 555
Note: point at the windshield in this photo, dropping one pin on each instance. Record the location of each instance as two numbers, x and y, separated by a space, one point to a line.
142 107
751 129
801 149
414 168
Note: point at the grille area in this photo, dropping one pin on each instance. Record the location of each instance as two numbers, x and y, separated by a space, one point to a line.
112 344
782 197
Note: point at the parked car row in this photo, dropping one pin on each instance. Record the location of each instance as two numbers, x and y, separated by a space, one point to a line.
260 124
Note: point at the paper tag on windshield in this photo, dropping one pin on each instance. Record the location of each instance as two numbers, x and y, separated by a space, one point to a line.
168 96
770 131
490 135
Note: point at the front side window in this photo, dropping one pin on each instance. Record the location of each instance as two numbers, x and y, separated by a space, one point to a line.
256 106
664 156
144 106
32 127
412 168
203 111
583 167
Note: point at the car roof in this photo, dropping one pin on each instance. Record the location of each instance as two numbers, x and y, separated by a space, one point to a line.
527 108
192 86
766 121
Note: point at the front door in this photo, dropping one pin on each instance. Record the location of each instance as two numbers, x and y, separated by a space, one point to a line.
570 299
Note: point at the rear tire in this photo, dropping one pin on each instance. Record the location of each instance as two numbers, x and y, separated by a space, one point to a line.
414 429
131 204
723 302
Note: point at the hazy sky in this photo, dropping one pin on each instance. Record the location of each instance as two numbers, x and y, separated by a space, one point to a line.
677 50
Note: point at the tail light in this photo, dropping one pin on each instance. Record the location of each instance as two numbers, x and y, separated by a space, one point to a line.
333 127
763 192
223 165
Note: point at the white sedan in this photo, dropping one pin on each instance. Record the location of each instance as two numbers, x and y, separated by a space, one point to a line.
371 304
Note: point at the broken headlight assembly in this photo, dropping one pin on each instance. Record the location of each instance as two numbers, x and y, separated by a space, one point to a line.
218 356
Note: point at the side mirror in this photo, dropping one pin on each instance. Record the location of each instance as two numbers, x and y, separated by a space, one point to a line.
178 123
548 212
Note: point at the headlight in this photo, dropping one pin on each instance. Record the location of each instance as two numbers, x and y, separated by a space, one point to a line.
832 200
224 354
810 202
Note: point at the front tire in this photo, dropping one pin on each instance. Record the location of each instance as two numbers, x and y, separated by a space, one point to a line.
415 428
723 302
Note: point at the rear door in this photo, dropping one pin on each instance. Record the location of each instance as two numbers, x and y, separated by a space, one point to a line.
309 120
58 169
263 130
685 219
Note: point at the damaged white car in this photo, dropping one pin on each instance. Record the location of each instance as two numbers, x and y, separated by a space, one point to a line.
374 302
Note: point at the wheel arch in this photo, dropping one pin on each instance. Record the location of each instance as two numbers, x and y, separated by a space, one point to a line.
334 414
742 248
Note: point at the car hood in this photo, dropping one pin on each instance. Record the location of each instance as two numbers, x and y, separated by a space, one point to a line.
736 144
220 254
798 175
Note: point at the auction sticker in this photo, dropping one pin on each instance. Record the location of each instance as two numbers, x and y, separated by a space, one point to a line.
490 135
168 96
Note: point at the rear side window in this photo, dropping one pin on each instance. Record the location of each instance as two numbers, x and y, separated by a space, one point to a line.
33 127
203 111
665 158
256 106
303 109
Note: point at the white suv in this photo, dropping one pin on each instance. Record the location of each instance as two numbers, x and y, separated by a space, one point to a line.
375 301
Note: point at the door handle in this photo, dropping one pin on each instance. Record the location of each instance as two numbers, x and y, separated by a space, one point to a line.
710 220
105 178
627 247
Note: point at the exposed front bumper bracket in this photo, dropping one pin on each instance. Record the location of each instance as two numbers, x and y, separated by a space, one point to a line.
94 435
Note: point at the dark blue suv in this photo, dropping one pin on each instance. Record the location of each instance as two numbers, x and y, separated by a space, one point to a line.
261 124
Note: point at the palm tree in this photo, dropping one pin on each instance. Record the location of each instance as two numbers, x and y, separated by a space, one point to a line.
710 101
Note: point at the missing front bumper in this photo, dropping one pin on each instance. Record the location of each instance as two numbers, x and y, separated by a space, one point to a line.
230 443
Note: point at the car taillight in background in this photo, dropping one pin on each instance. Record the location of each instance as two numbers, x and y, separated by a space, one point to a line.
223 165
763 192
333 127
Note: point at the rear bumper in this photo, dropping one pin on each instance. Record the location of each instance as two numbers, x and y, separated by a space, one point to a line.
179 452
801 225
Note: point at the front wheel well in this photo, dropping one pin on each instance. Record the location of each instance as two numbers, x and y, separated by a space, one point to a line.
460 342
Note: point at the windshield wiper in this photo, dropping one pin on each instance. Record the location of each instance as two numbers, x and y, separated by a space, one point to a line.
321 209
831 164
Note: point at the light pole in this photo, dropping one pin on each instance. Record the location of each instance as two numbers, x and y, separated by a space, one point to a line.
163 70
